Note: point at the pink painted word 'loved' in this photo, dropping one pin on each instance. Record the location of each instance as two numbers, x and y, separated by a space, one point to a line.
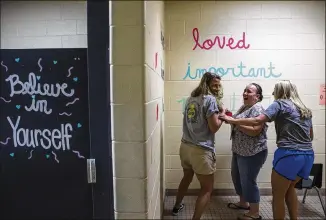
221 42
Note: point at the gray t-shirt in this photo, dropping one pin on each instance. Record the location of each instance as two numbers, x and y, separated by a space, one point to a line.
195 125
246 145
291 131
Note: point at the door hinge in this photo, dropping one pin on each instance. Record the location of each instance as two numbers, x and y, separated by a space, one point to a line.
91 171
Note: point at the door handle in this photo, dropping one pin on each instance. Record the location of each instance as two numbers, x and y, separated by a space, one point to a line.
91 171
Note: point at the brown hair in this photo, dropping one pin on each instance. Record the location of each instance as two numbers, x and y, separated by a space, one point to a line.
259 91
203 87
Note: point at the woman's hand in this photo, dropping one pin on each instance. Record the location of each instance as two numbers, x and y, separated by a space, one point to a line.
225 110
226 118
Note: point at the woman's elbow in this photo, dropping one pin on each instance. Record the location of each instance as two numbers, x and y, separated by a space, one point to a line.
258 122
214 129
257 130
311 134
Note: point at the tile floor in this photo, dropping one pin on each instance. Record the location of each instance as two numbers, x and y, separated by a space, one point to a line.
218 210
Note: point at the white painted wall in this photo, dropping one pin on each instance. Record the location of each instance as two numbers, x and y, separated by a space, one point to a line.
137 89
43 24
154 91
290 34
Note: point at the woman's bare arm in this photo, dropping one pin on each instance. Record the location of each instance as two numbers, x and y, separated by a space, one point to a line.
311 133
214 123
251 130
259 120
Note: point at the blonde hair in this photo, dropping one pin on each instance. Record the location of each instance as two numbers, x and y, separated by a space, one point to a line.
286 90
203 87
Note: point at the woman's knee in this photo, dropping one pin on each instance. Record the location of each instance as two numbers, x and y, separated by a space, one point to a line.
250 190
188 174
249 167
206 182
248 176
235 172
235 175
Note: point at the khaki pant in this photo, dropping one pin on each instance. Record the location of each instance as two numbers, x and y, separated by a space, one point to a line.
201 161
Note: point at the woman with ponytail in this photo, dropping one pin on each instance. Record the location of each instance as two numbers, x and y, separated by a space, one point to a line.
197 149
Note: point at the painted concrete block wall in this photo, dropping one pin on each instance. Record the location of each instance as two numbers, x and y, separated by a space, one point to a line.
283 40
154 91
137 94
43 24
128 110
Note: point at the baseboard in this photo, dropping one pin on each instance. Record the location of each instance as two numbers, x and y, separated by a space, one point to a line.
231 192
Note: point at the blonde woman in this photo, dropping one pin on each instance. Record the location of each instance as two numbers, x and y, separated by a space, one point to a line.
197 149
294 157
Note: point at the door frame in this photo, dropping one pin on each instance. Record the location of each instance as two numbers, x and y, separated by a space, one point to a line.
98 41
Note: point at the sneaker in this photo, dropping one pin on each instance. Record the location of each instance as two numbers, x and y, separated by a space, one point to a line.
176 210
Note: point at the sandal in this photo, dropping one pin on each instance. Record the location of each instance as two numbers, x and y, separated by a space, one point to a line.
235 206
245 216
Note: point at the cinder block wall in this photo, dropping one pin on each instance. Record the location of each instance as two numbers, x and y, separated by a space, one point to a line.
43 24
137 58
287 41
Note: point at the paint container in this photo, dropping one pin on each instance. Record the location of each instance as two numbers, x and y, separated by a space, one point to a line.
228 113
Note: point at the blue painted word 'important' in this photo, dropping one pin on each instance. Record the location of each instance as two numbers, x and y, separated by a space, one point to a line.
240 71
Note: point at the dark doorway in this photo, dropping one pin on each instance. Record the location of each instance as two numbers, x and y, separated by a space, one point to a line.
47 137
44 133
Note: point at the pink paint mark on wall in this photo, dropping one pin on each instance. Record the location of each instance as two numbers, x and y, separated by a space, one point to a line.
221 43
322 93
156 58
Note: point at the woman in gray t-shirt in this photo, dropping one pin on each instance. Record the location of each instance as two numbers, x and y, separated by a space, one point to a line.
197 149
249 153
